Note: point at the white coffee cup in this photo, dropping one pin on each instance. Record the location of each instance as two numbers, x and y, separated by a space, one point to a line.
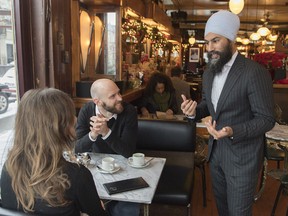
138 159
108 163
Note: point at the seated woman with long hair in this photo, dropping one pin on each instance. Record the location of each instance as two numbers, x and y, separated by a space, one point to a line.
35 177
159 95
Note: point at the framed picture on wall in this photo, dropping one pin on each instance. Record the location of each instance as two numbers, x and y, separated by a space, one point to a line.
194 54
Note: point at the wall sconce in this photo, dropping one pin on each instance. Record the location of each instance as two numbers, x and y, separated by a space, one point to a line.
86 31
236 6
99 36
192 40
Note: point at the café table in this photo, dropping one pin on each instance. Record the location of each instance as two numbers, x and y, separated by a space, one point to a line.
279 133
151 174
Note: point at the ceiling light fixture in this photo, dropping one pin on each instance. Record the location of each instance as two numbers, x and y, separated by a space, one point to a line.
272 37
245 41
255 36
263 31
236 6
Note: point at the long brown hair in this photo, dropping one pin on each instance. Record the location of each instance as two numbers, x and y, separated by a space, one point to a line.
155 78
44 128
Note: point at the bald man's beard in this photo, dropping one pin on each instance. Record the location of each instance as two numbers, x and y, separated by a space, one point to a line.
116 109
215 65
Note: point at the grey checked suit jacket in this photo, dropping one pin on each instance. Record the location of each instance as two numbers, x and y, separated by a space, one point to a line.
245 104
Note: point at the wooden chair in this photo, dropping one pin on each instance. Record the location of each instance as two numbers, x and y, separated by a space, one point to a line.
175 141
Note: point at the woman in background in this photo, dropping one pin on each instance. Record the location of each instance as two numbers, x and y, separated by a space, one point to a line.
35 177
159 95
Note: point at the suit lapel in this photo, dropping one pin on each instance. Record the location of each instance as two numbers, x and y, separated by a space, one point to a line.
232 78
208 92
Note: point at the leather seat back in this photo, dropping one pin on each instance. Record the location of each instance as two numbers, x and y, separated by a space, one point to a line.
166 135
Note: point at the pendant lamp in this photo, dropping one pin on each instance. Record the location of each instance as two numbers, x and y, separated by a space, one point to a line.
236 6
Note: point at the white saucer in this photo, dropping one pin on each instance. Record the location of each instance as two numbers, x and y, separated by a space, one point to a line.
130 163
116 168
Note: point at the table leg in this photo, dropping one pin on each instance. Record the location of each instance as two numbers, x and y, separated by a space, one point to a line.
146 209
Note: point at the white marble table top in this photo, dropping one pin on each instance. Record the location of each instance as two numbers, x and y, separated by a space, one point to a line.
151 174
279 132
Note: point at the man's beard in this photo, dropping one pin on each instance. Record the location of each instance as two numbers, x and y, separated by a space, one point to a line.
216 65
114 109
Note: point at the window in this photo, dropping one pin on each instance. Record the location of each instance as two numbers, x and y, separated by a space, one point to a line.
8 75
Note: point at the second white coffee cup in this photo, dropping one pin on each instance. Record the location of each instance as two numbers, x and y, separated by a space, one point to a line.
108 163
138 159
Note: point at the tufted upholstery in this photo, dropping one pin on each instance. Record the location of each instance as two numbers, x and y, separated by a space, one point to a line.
175 141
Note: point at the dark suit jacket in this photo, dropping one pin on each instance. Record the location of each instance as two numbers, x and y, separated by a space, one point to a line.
122 139
245 104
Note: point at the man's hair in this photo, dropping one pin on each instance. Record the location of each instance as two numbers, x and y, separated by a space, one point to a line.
176 71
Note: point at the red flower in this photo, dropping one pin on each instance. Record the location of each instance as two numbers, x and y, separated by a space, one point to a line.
271 59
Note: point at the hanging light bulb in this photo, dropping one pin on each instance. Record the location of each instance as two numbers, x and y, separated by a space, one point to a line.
263 31
255 36
236 6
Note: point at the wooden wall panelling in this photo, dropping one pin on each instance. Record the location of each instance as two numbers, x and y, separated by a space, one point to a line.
75 44
43 36
137 6
60 45
156 13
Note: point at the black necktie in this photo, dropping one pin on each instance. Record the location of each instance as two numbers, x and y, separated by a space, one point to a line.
110 122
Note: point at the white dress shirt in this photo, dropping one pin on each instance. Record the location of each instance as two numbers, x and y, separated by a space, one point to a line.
220 79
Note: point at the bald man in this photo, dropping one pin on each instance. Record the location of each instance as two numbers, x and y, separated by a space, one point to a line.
95 133
108 125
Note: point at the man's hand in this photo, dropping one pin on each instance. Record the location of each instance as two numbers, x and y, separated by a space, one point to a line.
188 107
98 125
224 132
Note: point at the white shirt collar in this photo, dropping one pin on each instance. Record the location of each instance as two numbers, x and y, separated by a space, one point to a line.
98 112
